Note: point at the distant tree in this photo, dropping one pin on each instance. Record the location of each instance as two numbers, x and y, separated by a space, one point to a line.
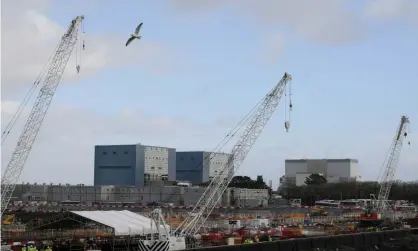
247 182
315 179
242 182
349 190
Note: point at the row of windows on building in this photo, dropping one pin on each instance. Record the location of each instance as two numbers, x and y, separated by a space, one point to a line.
154 168
154 158
157 158
162 149
115 153
125 197
110 190
69 197
154 177
213 162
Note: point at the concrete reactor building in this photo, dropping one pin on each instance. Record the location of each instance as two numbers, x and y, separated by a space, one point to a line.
199 167
132 165
335 170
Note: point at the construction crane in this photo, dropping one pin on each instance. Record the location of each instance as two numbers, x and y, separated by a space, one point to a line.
253 128
387 175
391 162
55 69
220 182
219 148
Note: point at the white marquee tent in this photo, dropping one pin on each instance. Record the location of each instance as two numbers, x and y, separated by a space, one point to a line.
123 222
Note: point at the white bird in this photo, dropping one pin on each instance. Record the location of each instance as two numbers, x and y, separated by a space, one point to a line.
135 35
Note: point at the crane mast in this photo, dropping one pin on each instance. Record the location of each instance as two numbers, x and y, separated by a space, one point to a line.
389 168
33 124
195 220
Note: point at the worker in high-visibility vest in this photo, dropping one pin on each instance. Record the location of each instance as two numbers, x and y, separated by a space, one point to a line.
270 238
256 239
24 248
32 248
48 249
248 241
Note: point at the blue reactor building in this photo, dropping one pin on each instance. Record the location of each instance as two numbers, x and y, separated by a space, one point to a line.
199 166
133 165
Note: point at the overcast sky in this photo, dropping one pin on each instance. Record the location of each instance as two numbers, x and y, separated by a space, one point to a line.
202 65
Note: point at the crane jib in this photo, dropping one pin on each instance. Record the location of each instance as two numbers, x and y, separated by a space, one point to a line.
55 69
254 126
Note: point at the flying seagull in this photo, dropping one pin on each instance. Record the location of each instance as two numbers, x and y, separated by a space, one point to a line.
135 35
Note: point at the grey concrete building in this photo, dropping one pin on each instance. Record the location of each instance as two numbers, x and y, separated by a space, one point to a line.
335 170
69 192
198 167
132 165
243 197
174 195
30 192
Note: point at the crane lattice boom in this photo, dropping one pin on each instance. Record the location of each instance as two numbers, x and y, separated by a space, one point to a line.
37 114
220 182
389 168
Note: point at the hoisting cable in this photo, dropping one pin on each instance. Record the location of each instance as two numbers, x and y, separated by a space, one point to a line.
290 100
83 32
231 134
77 64
287 107
290 96
285 104
79 47
226 139
26 99
76 54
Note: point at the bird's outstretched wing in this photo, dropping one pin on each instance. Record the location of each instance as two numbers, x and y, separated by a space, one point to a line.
138 28
129 40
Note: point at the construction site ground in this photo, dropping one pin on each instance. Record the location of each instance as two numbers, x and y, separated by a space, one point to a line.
394 240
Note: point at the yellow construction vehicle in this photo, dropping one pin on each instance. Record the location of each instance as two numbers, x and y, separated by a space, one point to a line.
8 219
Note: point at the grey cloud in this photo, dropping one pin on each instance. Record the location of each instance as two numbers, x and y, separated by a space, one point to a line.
23 58
325 21
405 11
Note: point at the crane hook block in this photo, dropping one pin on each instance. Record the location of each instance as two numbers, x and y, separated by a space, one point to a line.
287 125
405 134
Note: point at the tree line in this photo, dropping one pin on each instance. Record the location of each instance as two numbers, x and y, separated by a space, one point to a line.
312 191
246 182
316 187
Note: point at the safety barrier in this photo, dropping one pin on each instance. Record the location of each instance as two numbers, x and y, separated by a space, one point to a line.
356 241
